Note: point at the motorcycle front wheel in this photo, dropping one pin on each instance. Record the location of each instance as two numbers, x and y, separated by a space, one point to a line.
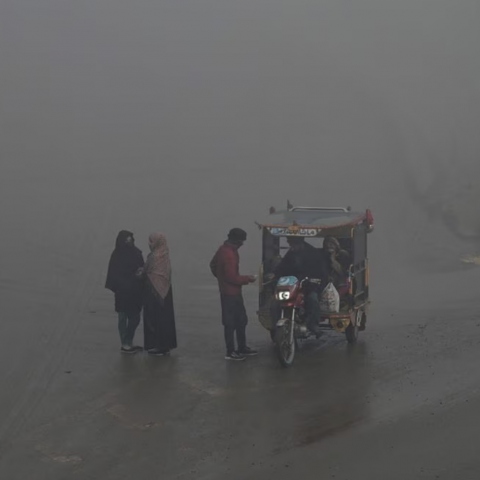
285 343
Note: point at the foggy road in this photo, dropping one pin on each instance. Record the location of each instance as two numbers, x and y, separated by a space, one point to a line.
192 118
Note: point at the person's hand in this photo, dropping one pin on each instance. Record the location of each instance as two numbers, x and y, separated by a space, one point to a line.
252 278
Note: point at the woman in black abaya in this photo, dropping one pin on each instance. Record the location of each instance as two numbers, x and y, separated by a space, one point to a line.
123 280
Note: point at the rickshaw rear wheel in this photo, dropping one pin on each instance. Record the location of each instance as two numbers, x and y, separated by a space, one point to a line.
363 322
352 330
352 334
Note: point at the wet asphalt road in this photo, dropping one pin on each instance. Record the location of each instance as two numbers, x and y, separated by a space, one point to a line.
193 117
400 404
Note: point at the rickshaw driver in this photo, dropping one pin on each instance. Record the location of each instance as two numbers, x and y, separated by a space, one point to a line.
304 261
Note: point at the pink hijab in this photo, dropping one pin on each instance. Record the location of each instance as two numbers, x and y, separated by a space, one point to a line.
157 267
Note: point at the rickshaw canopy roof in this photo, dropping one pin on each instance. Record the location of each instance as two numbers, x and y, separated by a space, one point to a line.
311 221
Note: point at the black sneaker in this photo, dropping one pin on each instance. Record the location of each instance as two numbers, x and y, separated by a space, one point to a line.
234 356
316 331
137 348
248 352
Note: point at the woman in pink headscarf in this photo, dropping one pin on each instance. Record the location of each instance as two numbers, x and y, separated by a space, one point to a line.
158 311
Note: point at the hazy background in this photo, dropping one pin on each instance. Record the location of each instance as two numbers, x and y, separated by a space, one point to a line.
191 117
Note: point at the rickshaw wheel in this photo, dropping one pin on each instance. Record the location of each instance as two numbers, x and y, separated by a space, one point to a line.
352 330
363 322
352 334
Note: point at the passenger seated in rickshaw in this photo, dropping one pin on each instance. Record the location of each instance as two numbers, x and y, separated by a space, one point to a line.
305 261
338 264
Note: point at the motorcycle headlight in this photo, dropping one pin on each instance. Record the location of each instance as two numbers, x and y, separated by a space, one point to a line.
283 295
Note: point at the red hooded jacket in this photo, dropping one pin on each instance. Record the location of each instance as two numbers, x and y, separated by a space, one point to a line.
225 268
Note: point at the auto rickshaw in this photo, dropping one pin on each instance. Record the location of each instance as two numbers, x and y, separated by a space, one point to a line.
287 293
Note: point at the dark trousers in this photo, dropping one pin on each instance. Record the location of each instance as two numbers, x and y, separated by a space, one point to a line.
234 319
127 324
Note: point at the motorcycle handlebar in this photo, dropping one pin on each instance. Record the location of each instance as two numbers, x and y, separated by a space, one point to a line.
317 281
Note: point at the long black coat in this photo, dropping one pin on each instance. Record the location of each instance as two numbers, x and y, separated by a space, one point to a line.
121 277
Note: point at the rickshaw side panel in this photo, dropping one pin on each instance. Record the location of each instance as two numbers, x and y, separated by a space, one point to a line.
270 252
360 265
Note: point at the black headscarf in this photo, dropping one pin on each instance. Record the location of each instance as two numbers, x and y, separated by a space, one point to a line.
125 260
122 238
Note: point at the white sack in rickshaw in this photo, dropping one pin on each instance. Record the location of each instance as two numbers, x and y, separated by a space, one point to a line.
330 300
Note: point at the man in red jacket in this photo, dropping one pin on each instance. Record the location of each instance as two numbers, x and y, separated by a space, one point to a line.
225 267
